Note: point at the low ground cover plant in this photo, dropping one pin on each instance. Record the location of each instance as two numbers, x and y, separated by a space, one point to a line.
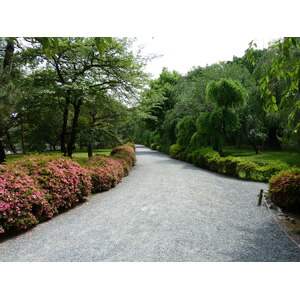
36 188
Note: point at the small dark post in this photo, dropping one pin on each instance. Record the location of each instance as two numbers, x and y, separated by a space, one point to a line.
260 197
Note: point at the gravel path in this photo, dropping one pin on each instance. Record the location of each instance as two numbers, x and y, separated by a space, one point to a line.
165 210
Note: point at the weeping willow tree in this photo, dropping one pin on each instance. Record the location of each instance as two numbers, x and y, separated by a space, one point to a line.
226 94
185 130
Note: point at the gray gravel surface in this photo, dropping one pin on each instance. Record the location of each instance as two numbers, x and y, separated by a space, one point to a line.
165 210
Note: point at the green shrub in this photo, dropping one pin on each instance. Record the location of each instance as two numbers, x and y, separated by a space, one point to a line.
229 165
165 149
154 146
247 169
212 162
176 150
284 189
272 168
204 158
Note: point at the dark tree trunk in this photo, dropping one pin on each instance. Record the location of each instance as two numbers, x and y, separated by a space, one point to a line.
10 142
255 148
273 140
63 134
22 137
7 67
74 130
2 153
90 149
8 59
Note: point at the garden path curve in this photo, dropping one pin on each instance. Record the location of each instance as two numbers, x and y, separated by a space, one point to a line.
165 210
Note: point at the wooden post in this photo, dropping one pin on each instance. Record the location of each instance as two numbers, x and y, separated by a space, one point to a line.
260 197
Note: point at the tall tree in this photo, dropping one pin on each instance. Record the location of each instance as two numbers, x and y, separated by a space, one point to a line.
5 84
85 65
225 94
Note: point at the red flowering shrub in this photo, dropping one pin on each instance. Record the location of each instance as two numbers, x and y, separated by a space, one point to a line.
131 144
36 188
22 203
64 181
284 189
105 172
125 152
126 148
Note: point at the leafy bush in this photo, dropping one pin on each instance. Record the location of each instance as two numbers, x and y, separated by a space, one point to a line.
22 203
64 181
124 148
204 158
164 149
229 165
37 188
178 152
247 169
284 189
154 146
273 168
105 172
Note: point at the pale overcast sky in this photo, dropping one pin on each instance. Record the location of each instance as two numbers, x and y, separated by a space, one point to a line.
184 53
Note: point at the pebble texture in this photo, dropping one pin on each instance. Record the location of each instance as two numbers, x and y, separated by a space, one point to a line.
165 210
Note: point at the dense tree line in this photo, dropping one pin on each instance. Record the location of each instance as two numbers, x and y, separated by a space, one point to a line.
62 92
249 101
59 93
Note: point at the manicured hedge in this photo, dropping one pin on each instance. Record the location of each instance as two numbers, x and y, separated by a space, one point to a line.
35 189
232 166
284 183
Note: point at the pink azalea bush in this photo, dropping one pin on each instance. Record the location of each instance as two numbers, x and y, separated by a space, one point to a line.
35 189
105 172
125 152
22 203
64 181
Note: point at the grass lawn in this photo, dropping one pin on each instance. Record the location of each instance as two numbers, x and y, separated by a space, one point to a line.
291 158
80 156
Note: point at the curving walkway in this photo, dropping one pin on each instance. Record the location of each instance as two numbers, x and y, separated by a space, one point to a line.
165 210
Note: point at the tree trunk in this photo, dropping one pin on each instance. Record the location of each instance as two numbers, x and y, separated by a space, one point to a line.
255 148
10 142
22 137
71 144
7 67
63 135
2 153
8 59
90 149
